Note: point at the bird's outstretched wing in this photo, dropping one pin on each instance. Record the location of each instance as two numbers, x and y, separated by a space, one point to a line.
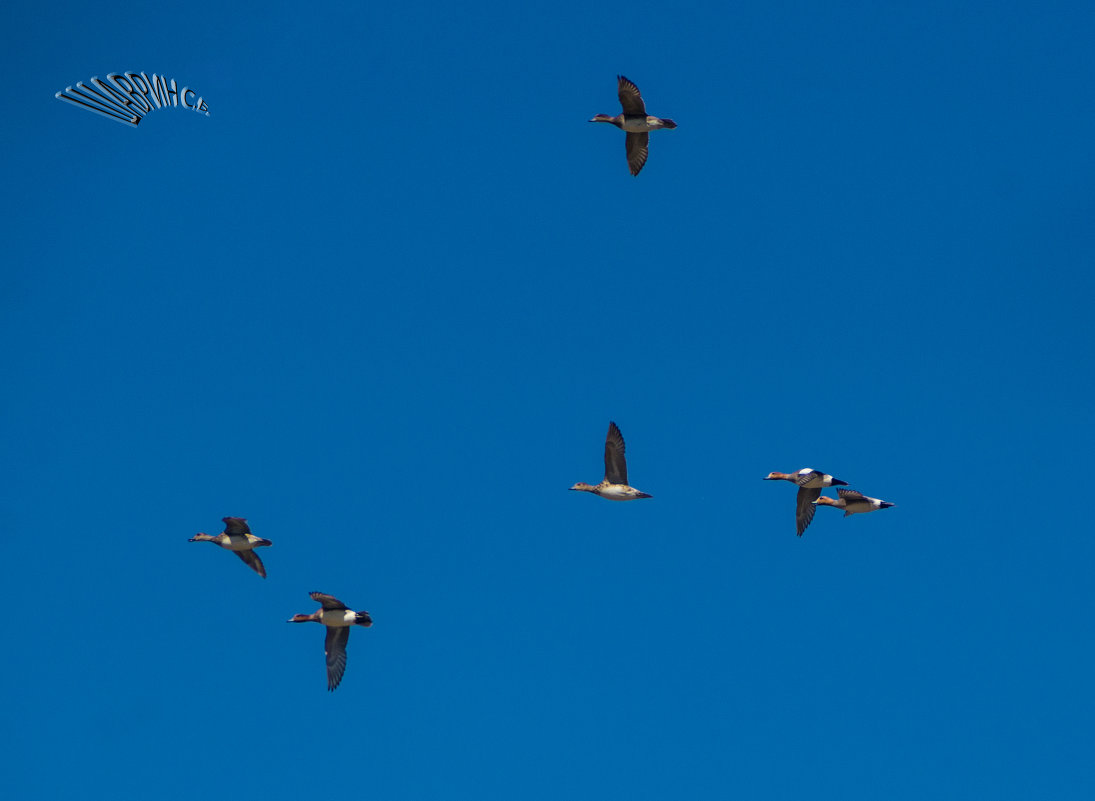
638 148
335 649
805 508
630 98
251 559
236 525
615 464
327 601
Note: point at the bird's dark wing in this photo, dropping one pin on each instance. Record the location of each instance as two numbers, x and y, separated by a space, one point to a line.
615 464
850 495
638 148
327 601
630 98
335 649
805 508
236 525
251 559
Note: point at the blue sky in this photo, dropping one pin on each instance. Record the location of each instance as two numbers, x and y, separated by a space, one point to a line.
383 303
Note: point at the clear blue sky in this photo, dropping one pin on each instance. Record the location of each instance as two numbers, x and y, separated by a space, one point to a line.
383 303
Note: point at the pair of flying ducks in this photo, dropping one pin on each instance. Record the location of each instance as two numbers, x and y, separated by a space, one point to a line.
333 614
810 483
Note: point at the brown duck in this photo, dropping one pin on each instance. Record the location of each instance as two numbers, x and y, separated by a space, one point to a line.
337 618
237 537
636 122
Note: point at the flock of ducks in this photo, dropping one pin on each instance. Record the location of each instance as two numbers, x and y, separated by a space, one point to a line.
338 618
810 482
333 614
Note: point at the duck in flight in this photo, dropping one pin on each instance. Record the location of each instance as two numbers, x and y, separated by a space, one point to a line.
614 486
337 618
635 121
853 503
237 537
809 483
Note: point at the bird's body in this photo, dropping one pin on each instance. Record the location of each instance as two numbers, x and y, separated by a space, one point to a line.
639 124
612 492
237 537
809 482
635 122
337 618
614 486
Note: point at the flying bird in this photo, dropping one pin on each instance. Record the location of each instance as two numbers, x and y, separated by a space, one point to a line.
809 483
338 619
237 537
853 503
614 486
635 122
